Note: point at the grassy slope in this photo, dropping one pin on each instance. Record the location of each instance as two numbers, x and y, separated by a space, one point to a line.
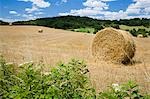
124 27
86 30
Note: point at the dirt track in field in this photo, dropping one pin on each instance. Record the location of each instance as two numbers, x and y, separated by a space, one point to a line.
24 43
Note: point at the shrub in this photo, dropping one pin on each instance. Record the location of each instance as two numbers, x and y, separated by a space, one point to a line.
115 26
134 32
125 91
67 81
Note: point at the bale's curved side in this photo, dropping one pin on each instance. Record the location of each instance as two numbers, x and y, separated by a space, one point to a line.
113 45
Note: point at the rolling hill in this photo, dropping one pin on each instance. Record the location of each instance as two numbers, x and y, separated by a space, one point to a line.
74 22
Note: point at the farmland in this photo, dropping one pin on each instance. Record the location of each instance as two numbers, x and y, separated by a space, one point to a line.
23 43
85 30
124 27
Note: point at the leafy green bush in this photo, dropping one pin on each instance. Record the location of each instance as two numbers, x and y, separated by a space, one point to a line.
125 91
66 81
135 32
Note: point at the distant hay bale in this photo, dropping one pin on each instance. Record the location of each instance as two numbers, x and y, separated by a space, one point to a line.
116 46
10 23
40 31
147 34
140 36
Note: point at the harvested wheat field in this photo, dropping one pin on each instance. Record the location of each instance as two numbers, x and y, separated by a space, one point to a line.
24 43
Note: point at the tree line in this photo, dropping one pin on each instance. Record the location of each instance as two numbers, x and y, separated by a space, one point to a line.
72 22
75 22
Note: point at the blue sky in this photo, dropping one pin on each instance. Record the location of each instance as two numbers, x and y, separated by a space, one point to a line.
13 10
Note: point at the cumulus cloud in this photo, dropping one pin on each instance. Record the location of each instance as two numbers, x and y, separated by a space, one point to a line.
100 9
139 7
38 3
12 12
61 2
29 16
82 12
30 10
115 15
92 8
96 4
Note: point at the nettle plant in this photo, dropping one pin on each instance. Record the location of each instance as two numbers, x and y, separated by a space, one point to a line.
66 81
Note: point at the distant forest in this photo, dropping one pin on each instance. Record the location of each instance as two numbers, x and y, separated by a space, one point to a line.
3 23
72 22
75 22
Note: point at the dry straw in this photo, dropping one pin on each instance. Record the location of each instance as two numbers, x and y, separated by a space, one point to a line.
112 45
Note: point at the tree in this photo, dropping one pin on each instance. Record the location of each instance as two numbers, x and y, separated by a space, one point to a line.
133 32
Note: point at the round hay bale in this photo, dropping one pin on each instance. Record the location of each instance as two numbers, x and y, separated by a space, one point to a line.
116 46
140 36
40 31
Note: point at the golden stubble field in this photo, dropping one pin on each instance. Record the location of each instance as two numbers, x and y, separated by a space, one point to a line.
23 43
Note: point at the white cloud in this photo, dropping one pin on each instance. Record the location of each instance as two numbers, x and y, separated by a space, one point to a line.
29 16
38 3
61 2
96 4
30 10
82 12
92 7
133 11
139 7
12 12
9 19
115 15
39 13
100 9
64 1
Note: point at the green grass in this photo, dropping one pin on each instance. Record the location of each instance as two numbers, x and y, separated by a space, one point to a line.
124 27
86 30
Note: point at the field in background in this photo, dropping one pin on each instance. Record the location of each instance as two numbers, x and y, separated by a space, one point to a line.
86 30
124 27
24 43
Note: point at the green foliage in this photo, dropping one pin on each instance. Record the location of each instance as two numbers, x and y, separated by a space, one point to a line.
3 23
66 81
81 23
97 29
7 76
143 32
115 26
135 22
70 81
125 91
135 32
86 30
124 27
